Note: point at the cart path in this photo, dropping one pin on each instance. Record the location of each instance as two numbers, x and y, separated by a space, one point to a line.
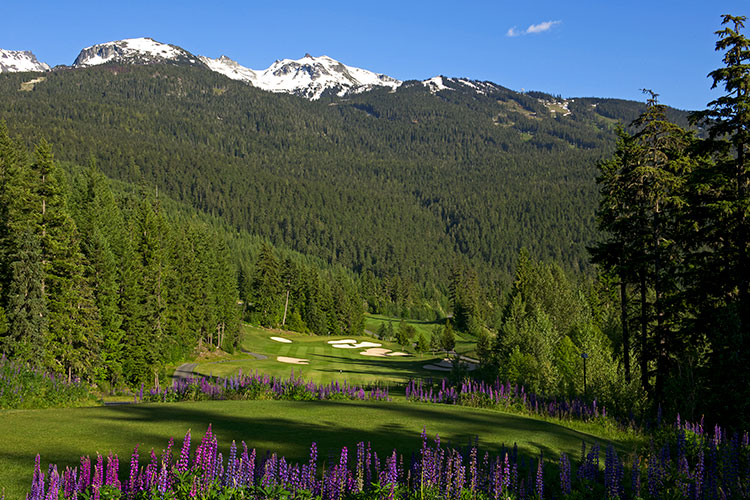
254 354
185 370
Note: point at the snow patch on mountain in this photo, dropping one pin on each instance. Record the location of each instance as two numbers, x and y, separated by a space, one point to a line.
313 77
436 84
133 50
231 69
13 61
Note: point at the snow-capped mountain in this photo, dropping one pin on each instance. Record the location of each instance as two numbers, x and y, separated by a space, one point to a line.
230 68
438 83
310 77
12 61
133 51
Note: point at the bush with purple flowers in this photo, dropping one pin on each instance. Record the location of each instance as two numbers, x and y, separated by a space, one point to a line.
433 472
24 387
260 386
505 396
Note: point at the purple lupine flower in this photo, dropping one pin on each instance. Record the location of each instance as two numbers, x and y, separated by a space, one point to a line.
69 483
98 479
635 481
84 478
360 466
368 465
540 478
473 470
113 471
184 461
565 485
698 475
37 481
230 476
54 484
133 486
506 475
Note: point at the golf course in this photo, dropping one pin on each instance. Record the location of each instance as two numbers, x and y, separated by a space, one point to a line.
62 436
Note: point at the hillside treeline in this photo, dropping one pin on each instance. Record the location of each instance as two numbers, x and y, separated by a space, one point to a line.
110 282
102 288
397 186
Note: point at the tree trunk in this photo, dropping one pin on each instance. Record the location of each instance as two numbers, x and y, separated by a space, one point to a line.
644 334
286 304
625 329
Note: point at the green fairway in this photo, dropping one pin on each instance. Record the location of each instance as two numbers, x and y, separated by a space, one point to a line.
326 363
288 427
465 345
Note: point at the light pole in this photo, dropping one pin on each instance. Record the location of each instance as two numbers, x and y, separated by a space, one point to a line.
585 357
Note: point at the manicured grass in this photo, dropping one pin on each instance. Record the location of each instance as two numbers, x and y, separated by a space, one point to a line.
287 427
326 363
465 345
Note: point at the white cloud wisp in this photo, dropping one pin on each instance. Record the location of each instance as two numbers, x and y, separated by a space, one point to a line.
534 29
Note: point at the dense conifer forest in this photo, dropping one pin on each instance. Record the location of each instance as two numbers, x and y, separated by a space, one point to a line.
396 186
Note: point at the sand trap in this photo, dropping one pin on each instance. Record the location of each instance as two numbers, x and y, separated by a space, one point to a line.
368 344
293 361
436 368
375 351
281 339
352 344
398 353
446 365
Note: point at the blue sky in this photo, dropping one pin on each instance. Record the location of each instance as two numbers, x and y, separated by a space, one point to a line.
605 48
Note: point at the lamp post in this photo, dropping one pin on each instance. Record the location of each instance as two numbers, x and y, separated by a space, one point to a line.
585 357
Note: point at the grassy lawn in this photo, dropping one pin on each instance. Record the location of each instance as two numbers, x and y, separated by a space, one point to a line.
326 363
288 427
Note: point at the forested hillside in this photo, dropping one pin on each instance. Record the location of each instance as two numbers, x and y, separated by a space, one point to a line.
110 282
397 186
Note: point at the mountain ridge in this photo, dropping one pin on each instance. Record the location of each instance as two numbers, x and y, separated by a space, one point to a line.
309 77
12 61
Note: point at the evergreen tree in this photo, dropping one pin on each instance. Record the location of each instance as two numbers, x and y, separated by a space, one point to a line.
27 309
448 338
720 249
266 288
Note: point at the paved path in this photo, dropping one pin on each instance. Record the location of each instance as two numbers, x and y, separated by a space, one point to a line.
254 354
185 370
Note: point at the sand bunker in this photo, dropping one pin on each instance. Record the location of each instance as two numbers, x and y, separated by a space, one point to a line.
445 365
375 351
398 353
281 339
352 344
368 344
293 361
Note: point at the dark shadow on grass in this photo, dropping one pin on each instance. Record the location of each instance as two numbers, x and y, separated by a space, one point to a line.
289 428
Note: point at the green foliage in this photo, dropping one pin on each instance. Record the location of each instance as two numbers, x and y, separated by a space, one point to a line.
447 337
22 386
103 286
422 181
